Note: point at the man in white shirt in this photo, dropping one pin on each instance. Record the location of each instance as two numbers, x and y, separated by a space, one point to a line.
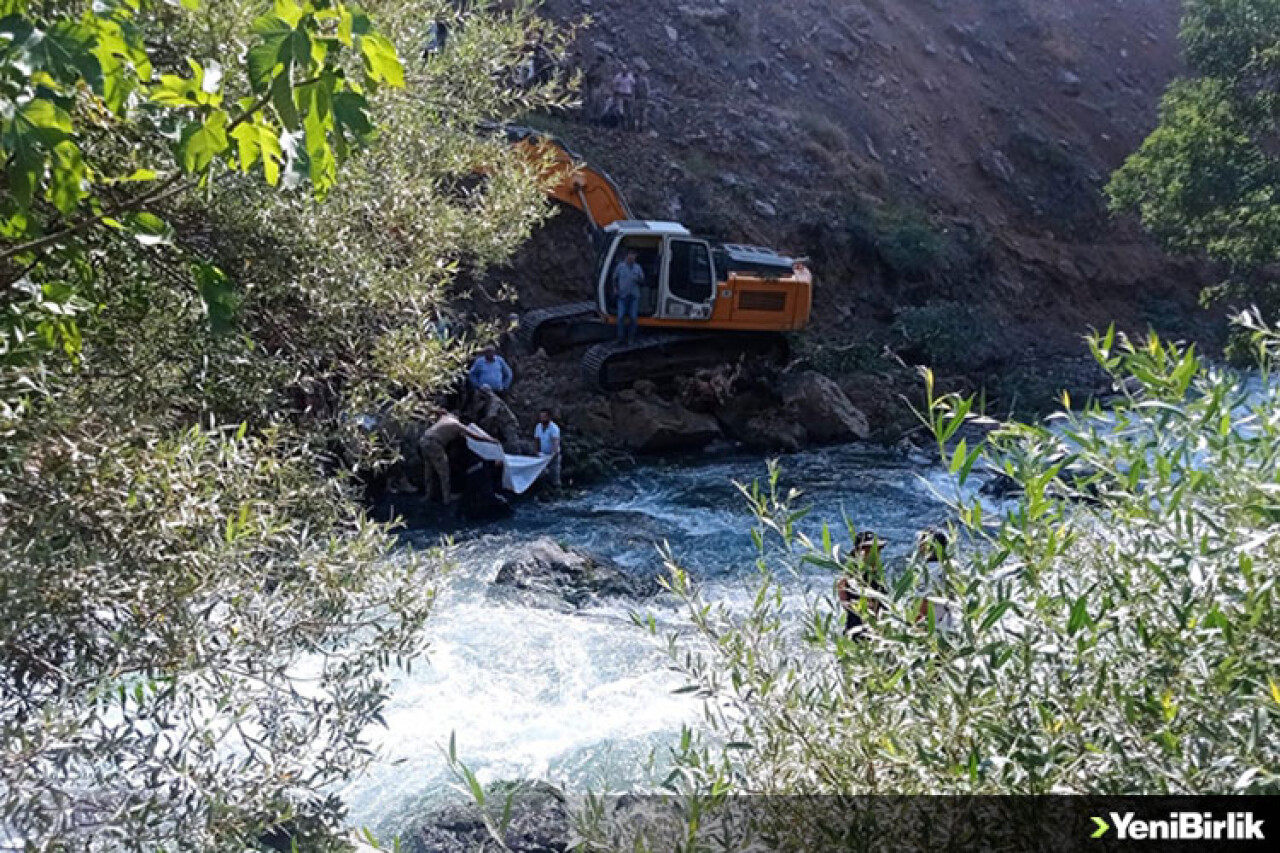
547 434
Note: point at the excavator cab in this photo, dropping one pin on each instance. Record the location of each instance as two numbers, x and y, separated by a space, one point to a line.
679 272
691 284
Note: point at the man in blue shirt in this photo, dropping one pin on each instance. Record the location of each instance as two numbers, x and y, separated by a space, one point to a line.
547 434
628 278
490 370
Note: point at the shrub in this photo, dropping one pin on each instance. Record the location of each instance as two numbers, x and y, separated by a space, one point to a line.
196 617
860 226
909 246
1113 630
947 335
825 132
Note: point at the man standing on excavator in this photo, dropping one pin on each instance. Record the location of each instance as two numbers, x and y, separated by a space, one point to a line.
628 278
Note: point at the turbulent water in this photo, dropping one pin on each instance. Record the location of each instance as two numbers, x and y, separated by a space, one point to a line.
583 699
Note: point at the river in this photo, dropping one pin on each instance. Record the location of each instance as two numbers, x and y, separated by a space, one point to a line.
583 699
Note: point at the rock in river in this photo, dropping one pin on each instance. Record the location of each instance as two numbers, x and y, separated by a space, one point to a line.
551 575
757 420
539 823
646 423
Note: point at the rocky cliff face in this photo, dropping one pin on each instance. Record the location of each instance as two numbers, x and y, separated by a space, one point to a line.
919 151
941 163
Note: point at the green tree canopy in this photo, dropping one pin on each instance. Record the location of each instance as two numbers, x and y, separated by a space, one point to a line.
227 228
1207 180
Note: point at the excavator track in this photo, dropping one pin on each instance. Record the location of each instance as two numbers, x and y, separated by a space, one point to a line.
562 327
657 357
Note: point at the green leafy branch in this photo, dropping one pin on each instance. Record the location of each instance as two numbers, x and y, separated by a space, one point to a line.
307 73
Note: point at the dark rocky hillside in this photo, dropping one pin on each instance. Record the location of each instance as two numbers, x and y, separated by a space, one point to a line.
941 162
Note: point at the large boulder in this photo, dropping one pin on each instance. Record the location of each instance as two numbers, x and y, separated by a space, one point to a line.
759 421
539 822
646 423
819 405
548 574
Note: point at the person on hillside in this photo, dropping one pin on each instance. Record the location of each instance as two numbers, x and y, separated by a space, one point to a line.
868 548
593 91
610 112
624 90
492 370
643 93
547 434
628 278
544 64
526 72
509 341
443 328
437 38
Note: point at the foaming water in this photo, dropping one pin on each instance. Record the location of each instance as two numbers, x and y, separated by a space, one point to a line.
583 699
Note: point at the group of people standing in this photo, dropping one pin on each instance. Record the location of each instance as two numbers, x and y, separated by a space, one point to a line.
488 382
615 94
861 592
486 420
621 99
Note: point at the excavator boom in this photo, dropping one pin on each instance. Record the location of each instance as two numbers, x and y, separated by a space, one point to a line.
576 183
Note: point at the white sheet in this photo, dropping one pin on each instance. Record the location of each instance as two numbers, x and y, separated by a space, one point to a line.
518 472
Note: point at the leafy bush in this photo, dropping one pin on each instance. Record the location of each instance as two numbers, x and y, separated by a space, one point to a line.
947 335
1112 630
195 616
967 256
909 246
194 634
825 132
1205 180
860 225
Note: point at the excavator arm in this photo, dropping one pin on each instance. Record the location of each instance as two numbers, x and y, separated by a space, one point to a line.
576 184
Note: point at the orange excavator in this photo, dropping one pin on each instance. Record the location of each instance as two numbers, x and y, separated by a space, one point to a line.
702 303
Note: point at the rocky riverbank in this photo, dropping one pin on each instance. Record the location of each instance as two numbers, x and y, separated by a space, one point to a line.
940 165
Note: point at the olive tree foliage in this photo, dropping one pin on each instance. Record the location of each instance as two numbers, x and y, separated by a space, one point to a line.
1207 180
1110 628
225 229
366 278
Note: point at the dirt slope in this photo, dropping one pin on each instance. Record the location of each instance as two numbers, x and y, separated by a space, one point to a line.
941 162
808 124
